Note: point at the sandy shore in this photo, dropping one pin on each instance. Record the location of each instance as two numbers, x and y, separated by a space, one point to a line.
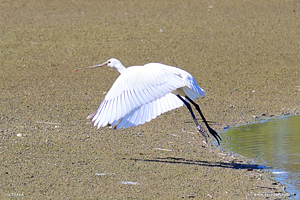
244 54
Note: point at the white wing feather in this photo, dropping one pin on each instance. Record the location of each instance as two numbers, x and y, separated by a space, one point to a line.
135 88
150 111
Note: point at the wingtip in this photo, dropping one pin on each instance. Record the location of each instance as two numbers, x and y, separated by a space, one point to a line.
92 115
89 122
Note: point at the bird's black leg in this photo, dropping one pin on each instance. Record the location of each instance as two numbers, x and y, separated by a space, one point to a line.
200 129
212 131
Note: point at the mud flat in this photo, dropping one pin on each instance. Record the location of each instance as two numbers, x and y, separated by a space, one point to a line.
244 54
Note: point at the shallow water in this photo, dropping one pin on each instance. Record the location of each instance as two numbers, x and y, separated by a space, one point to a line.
274 143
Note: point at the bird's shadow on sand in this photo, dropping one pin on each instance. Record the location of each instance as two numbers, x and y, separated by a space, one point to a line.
174 160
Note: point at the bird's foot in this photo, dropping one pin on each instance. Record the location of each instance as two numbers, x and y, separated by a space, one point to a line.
215 134
203 132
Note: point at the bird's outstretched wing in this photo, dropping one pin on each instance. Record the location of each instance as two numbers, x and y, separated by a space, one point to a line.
149 111
136 93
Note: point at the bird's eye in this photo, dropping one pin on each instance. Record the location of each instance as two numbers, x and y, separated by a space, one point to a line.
108 62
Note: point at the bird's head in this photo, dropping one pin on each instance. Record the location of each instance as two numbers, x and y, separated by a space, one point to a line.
113 63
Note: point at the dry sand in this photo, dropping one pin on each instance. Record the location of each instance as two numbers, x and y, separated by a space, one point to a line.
245 54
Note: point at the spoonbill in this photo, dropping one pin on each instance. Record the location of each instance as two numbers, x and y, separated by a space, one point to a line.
141 93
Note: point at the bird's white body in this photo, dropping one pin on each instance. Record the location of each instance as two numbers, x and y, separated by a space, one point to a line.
141 93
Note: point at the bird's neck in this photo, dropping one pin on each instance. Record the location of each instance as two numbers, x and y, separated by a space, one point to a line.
120 68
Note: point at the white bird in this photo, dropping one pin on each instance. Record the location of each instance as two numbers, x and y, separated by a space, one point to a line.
141 93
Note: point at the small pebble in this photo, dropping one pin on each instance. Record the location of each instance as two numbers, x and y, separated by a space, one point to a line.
129 183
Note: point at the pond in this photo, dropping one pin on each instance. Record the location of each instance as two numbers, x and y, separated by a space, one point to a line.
273 143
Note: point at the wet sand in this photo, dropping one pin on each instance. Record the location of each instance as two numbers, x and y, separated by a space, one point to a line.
244 54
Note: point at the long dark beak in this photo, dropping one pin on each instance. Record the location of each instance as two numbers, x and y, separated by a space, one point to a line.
94 66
